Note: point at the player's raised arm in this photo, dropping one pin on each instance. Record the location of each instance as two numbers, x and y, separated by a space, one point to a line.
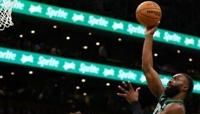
152 77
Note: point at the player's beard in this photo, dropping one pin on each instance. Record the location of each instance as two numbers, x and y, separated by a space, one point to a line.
172 91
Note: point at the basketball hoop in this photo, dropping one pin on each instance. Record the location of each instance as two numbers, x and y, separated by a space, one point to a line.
5 13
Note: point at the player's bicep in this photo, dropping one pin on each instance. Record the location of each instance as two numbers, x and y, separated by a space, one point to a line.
154 82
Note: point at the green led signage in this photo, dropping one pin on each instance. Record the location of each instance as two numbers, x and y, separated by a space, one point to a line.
102 22
77 67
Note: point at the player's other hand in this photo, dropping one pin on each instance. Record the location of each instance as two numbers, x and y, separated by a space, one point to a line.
129 93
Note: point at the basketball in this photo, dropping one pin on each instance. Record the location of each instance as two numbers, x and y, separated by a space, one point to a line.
148 13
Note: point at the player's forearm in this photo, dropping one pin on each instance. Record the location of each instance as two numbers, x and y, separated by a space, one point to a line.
136 108
147 59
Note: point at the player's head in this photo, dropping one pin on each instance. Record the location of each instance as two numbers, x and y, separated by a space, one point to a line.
180 83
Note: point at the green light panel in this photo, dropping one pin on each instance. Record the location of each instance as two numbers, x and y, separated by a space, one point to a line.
102 22
78 67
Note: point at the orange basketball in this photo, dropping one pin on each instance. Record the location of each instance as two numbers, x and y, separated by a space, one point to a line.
148 13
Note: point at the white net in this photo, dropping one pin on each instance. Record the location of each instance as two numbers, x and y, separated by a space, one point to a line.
5 13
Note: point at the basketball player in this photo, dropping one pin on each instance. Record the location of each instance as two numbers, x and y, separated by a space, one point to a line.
172 97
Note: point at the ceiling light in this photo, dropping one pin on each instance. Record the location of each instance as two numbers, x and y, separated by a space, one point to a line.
12 73
68 38
89 33
85 47
30 72
83 80
55 26
107 84
1 76
119 39
97 43
178 51
21 35
84 94
190 59
77 87
155 54
32 31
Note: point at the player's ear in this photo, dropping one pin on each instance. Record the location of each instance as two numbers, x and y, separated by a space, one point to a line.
185 88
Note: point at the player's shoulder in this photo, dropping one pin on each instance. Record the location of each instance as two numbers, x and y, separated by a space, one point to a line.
175 108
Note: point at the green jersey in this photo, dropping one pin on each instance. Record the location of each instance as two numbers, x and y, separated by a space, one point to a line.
163 102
